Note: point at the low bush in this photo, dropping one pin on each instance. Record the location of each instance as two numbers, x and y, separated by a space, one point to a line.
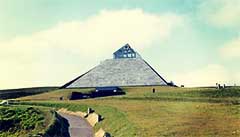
20 119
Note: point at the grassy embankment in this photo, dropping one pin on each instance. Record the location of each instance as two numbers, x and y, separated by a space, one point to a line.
22 121
168 112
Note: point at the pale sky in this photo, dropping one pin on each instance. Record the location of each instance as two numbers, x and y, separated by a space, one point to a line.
50 42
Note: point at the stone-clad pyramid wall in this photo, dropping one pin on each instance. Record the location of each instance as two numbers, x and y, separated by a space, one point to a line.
119 72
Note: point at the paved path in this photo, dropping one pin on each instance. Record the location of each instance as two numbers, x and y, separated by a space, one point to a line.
79 127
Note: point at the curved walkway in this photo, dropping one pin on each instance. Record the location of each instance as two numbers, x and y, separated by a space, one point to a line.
79 127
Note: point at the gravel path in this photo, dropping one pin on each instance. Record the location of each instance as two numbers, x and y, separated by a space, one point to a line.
79 127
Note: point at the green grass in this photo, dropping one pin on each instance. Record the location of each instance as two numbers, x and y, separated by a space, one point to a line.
199 92
183 92
163 118
168 112
228 95
23 120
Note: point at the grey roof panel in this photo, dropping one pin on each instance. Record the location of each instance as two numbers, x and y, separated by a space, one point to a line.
119 72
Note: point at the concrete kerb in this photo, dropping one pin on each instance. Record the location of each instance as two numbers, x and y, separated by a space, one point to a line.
92 117
102 133
78 113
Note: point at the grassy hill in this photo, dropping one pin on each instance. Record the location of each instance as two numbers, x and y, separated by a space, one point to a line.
22 121
21 92
227 95
57 94
167 112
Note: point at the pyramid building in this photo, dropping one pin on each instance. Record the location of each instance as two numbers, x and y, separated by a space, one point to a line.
127 68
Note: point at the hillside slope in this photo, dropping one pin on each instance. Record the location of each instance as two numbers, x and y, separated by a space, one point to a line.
167 112
21 92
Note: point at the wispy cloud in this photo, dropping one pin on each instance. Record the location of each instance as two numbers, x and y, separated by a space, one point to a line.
224 14
43 57
221 13
231 49
205 76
